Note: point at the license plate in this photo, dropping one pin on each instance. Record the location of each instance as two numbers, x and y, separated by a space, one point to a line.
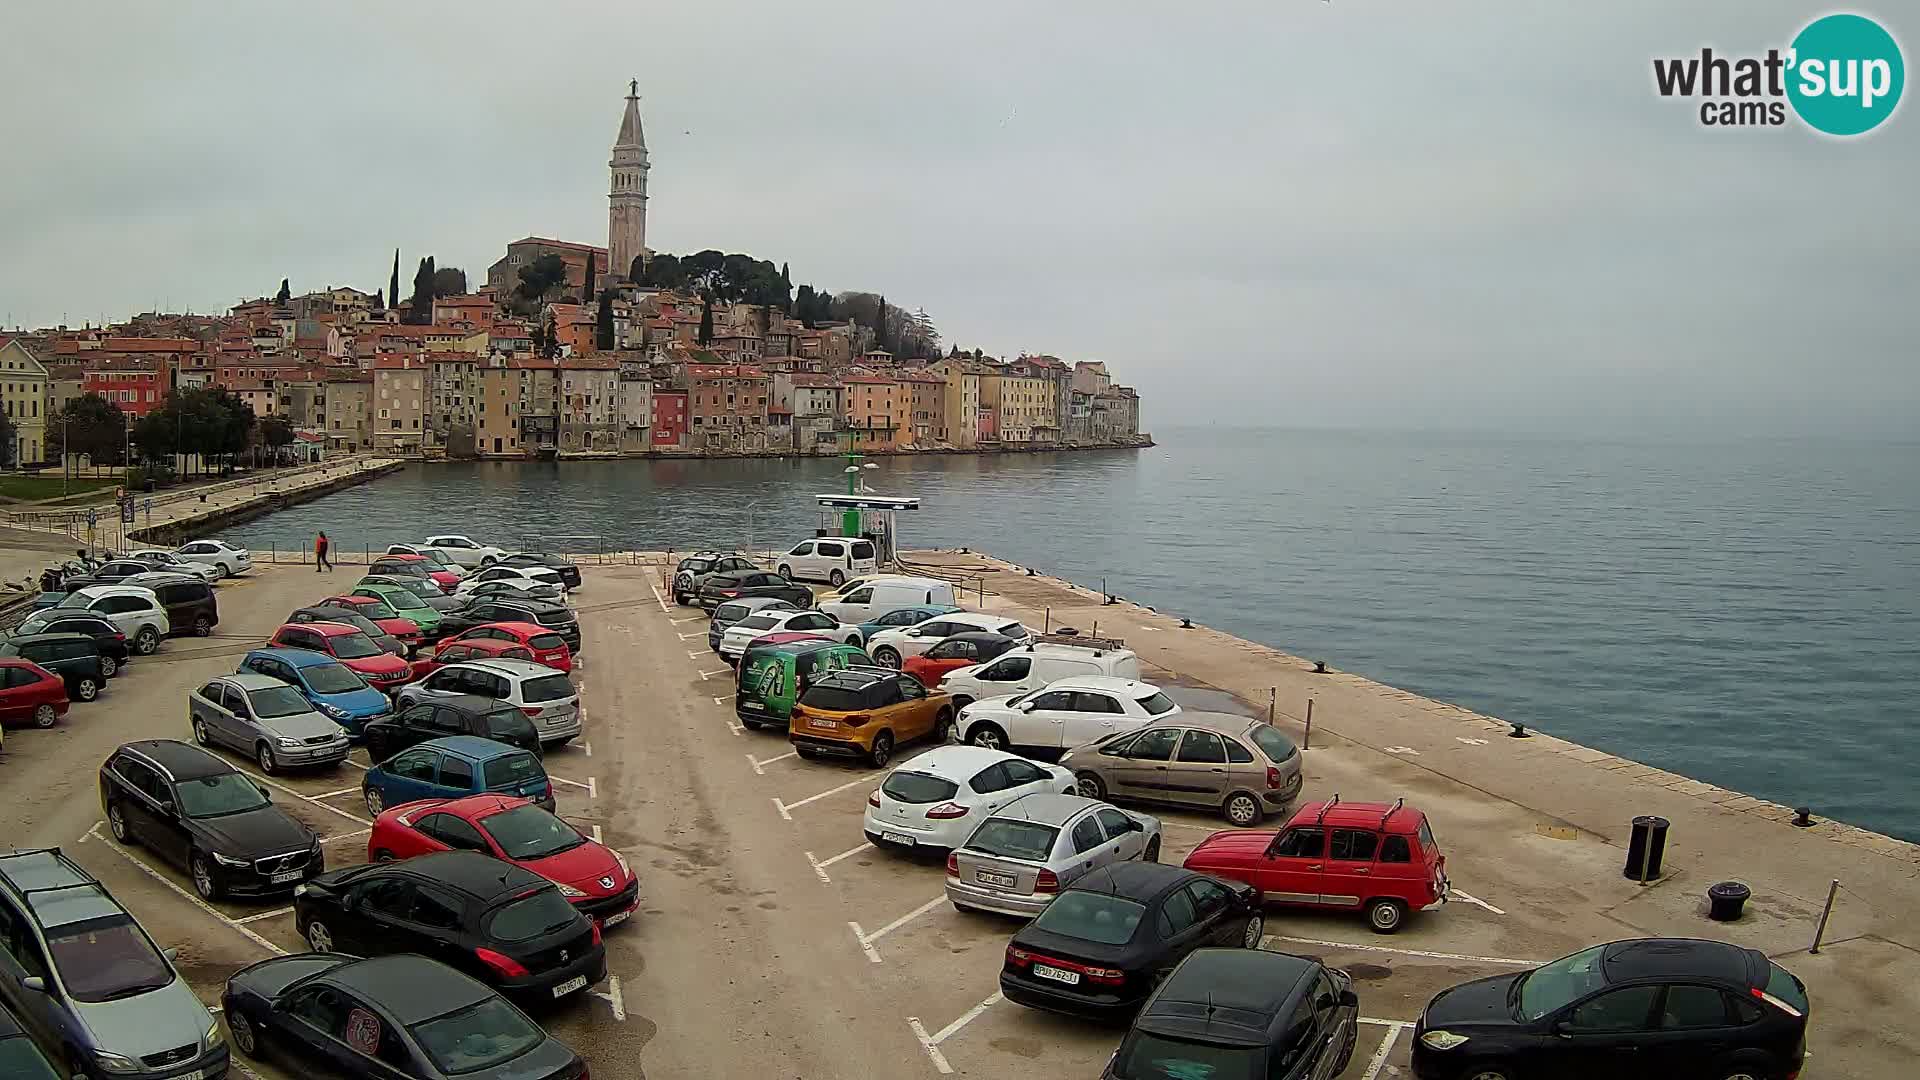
898 838
616 918
579 982
197 1074
991 877
824 725
555 721
281 879
753 706
1071 978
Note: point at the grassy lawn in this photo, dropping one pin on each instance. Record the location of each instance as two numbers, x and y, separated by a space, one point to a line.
29 488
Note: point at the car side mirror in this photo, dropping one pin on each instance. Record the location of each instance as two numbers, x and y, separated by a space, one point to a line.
1135 826
166 806
262 789
1026 706
1349 999
1563 1029
35 983
170 954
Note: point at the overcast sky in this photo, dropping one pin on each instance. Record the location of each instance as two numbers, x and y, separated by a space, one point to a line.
1354 214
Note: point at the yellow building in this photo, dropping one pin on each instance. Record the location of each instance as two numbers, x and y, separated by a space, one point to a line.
1018 405
25 395
399 403
959 425
497 419
878 410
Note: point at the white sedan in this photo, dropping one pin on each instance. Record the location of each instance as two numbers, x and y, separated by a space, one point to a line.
890 647
464 550
734 642
222 556
937 799
524 576
161 559
1063 714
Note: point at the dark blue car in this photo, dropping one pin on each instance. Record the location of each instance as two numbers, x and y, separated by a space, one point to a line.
337 691
453 767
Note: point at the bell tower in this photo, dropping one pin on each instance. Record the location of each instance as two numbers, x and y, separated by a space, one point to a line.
627 193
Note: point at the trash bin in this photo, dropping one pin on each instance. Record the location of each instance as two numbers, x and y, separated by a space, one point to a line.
1649 841
1725 900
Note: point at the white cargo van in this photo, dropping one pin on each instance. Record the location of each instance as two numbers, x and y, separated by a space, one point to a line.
875 598
1030 667
831 559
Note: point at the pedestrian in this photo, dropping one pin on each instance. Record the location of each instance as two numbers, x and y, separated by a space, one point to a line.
320 560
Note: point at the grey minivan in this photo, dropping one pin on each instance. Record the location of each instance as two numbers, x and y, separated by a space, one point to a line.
265 719
1242 767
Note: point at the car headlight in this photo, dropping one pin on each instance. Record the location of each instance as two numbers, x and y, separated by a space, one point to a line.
570 892
1443 1040
288 744
334 711
622 860
115 1063
225 861
214 1037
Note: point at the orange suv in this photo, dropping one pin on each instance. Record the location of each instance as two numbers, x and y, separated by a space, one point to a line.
865 713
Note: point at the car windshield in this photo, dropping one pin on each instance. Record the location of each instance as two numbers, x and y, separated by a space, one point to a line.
917 787
1091 916
729 613
1146 1056
354 646
437 558
832 699
1028 840
528 832
106 959
1556 985
487 1033
377 608
1276 746
547 642
277 701
546 688
697 566
1156 704
508 725
212 796
542 912
512 771
332 679
405 599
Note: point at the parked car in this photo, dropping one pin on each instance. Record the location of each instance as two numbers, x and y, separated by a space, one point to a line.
111 572
891 647
136 611
1371 857
1655 1007
227 558
103 991
725 615
43 600
956 652
734 642
19 1057
30 694
381 669
166 561
351 616
433 555
568 570
937 798
1069 713
377 611
454 714
454 766
716 589
1102 945
206 817
776 669
594 878
419 1017
454 652
525 575
865 713
514 589
1241 767
423 594
416 568
1017 860
830 559
868 599
898 617
548 616
546 696
189 601
688 572
1030 667
108 638
336 691
405 604
464 550
543 646
73 657
1243 1012
267 720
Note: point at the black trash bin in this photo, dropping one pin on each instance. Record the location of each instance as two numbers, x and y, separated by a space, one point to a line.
1725 900
1649 842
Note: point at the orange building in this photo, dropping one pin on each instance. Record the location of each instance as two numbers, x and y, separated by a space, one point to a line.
878 412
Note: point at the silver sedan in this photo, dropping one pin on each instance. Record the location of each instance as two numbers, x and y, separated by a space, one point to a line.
265 719
1019 859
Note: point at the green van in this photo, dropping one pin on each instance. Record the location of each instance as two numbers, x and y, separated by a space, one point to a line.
774 673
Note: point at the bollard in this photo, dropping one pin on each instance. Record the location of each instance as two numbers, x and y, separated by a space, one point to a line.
1820 930
1307 743
1646 847
1273 695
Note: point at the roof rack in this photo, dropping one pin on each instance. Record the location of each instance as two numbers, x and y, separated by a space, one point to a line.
1330 804
870 669
1070 636
1391 810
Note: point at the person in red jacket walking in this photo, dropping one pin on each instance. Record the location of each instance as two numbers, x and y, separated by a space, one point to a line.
320 560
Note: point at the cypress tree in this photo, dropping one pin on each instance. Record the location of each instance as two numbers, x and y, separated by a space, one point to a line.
393 286
587 291
706 318
285 293
603 324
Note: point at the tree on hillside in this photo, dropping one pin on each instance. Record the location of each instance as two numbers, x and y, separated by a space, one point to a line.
90 425
393 286
706 318
603 324
551 350
284 294
538 278
422 308
379 300
277 433
803 306
586 290
449 281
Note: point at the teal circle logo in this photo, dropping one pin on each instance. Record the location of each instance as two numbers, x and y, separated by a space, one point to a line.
1846 74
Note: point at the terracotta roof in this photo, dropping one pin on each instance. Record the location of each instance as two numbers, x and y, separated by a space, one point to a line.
590 363
724 371
396 363
139 344
815 380
882 380
563 244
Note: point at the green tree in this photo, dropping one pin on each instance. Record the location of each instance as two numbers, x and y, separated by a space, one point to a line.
393 286
9 441
277 433
284 294
603 324
803 306
379 299
449 281
551 350
423 292
540 276
90 425
706 317
586 290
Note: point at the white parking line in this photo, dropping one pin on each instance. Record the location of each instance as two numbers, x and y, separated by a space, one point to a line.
309 799
664 610
694 635
705 675
354 763
344 835
1499 960
785 807
190 898
596 836
1469 898
688 619
867 940
586 746
931 1043
264 915
692 655
719 701
820 868
591 786
736 728
1379 1058
613 998
758 765
331 794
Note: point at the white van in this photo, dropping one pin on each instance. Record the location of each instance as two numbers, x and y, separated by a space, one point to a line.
881 595
1031 667
831 559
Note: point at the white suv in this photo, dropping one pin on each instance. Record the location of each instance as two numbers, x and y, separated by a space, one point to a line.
890 647
522 577
222 556
545 695
1034 666
464 550
135 610
831 559
1063 715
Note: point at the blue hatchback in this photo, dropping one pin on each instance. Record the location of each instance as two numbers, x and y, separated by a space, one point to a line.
456 766
337 691
906 616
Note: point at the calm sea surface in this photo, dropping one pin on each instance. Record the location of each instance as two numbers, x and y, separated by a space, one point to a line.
1744 613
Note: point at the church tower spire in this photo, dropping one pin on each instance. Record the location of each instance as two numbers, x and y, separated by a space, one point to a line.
627 195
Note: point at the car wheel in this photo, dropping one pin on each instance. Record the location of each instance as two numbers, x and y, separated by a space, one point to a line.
1747 1068
117 825
555 744
201 627
1256 929
373 801
1091 786
1385 916
1486 1072
319 937
225 570
200 734
1152 853
836 579
147 640
108 666
786 571
44 716
886 657
950 731
264 755
882 751
86 688
989 736
241 1029
1241 809
203 880
383 855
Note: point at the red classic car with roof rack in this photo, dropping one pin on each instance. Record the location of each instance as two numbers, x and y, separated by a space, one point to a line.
1345 856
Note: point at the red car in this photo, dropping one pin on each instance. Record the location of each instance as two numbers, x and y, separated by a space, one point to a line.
545 646
1342 856
452 653
406 631
443 578
954 653
30 694
383 670
594 877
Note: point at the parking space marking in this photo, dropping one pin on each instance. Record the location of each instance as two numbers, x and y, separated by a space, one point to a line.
696 634
719 701
931 1043
331 794
786 807
664 610
866 940
308 798
820 867
736 728
344 835
585 746
705 675
692 655
590 786
262 916
688 619
613 998
156 875
355 764
1469 898
1164 823
596 836
1379 1058
759 767
1501 961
